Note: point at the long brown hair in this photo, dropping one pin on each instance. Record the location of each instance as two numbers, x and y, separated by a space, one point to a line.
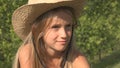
35 38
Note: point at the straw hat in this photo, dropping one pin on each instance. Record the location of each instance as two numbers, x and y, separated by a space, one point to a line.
24 16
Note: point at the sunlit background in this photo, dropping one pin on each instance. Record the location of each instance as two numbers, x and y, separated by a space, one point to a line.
97 34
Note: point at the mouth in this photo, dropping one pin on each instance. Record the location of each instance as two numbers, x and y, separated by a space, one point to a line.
62 42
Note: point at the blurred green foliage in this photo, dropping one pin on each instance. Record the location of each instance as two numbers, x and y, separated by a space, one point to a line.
9 42
99 29
98 32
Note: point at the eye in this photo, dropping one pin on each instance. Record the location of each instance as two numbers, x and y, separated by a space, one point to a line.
69 26
55 26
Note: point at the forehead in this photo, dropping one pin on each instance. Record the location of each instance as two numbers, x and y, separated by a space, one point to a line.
61 17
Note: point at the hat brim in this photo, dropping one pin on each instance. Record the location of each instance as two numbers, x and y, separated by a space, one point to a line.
24 16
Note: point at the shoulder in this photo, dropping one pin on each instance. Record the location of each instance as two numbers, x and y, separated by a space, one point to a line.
80 61
24 50
25 55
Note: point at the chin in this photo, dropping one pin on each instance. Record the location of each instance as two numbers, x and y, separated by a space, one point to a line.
60 50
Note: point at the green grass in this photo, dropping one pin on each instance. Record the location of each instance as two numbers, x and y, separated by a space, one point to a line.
111 61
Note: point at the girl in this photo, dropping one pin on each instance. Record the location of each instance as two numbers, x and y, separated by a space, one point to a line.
50 41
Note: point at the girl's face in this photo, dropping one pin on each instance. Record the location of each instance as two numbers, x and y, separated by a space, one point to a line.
58 34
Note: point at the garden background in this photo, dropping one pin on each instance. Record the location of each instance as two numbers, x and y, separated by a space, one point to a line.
98 33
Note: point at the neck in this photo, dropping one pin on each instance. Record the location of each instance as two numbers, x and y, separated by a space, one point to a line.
54 59
52 53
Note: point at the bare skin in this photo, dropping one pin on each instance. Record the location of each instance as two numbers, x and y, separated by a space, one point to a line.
56 39
26 58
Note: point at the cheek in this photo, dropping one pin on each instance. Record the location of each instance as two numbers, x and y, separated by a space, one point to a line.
69 33
50 36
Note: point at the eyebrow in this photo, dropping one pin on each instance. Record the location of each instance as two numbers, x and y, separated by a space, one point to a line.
57 24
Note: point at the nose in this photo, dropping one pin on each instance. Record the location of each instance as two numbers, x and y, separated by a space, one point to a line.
63 33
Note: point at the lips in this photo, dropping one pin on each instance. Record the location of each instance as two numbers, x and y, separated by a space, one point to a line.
62 42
